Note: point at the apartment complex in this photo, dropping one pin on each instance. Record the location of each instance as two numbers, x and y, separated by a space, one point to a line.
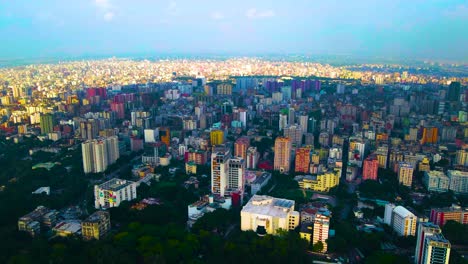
431 246
400 219
436 181
321 182
440 216
405 173
98 154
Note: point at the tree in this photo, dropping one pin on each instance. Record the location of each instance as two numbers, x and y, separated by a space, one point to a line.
318 247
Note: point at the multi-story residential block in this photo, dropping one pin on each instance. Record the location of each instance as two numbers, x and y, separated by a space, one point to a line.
294 133
458 181
240 147
96 226
401 220
440 216
252 158
266 215
405 173
321 182
282 154
113 192
370 169
99 154
302 160
436 181
34 221
216 137
431 246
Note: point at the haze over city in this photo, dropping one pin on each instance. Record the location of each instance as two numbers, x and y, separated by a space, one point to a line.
434 29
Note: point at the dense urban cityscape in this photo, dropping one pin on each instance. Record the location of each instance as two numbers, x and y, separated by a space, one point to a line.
238 159
180 131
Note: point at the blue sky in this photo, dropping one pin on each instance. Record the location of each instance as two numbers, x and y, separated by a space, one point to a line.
432 29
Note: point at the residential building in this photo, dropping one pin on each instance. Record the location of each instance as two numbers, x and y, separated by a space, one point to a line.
240 147
96 226
440 216
370 169
113 192
282 154
401 220
259 182
458 181
405 173
436 181
462 157
431 246
206 204
321 182
294 133
266 214
35 221
47 124
98 154
302 160
216 137
321 229
252 158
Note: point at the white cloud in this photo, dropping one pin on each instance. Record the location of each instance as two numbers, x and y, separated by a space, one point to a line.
172 8
254 13
106 8
108 16
104 4
217 15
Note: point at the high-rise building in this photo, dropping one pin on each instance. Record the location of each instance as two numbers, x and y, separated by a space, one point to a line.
454 92
99 153
401 220
429 135
304 122
405 173
266 215
436 181
113 192
252 158
462 158
291 116
283 121
224 89
165 135
370 169
227 172
321 229
216 137
302 160
431 246
47 124
282 154
440 216
458 181
236 175
96 226
294 133
240 147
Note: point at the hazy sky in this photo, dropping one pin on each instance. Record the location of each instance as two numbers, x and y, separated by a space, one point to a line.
434 29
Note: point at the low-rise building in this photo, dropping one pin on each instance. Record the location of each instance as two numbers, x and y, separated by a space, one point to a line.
67 228
440 216
96 225
259 182
37 219
206 204
266 214
322 182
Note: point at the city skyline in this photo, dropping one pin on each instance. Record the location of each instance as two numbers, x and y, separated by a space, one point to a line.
396 29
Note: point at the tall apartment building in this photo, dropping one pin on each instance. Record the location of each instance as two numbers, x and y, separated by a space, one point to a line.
99 153
302 160
216 137
294 133
440 216
282 154
436 181
266 214
405 173
240 147
431 246
462 157
430 135
401 220
252 158
113 192
458 181
47 124
321 229
96 225
370 169
227 172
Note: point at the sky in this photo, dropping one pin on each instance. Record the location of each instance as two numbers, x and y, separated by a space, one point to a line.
416 29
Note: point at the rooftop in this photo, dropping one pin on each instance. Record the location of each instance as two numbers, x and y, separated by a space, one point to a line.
115 184
267 205
403 212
